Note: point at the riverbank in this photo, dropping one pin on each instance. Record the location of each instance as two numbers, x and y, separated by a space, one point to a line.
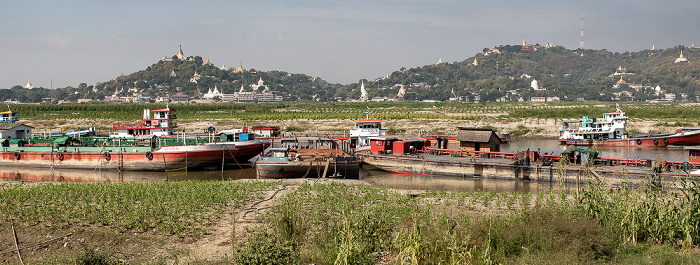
318 221
529 128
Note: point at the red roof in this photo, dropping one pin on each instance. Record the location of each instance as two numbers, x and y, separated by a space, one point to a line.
369 120
163 110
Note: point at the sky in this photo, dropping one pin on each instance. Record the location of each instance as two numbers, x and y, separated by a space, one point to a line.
60 43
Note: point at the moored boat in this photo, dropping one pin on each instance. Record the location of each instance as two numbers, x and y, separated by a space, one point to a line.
611 131
301 158
413 155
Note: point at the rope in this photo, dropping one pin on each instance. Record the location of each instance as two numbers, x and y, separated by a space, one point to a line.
252 207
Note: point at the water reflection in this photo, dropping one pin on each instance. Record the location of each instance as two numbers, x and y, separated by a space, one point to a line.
382 178
368 173
77 175
631 152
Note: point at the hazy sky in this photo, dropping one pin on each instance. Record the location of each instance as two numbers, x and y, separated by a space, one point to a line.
71 42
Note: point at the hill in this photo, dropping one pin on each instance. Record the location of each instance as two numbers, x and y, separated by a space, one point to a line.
503 73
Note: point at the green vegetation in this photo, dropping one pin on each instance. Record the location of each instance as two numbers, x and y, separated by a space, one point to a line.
339 224
185 207
334 223
499 76
678 114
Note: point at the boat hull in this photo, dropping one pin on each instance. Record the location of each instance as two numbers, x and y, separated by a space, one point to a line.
689 138
505 168
245 150
306 169
132 161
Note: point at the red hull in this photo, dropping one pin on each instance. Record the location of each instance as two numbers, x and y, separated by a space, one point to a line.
691 138
138 161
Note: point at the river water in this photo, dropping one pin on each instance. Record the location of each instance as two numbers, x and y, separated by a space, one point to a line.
369 174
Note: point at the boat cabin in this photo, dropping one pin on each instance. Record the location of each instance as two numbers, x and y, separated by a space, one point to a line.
364 129
160 122
478 139
280 154
309 143
397 144
612 126
236 135
266 131
8 116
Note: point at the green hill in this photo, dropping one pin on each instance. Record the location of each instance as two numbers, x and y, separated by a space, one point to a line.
505 75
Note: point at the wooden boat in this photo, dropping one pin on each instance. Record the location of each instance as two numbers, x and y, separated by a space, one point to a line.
307 157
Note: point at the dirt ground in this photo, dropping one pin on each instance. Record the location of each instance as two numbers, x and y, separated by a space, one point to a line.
215 246
539 128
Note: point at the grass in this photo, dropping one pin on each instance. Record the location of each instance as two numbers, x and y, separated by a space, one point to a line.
334 223
183 207
339 224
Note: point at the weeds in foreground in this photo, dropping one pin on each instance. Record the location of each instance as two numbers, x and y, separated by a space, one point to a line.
164 207
339 224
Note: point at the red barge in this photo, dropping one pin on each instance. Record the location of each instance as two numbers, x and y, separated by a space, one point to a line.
148 146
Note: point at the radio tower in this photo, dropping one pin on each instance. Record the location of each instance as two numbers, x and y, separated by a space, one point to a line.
581 32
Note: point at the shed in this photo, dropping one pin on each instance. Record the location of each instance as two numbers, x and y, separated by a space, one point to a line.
693 154
478 139
15 130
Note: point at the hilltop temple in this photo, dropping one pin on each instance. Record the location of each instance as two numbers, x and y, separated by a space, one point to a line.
363 92
239 69
681 58
180 56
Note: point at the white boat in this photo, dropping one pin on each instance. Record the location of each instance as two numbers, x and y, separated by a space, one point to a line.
612 126
364 129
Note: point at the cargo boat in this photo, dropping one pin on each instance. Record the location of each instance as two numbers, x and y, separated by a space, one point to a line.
140 148
413 155
611 131
307 157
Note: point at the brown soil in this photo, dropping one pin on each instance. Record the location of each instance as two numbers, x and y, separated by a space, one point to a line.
539 128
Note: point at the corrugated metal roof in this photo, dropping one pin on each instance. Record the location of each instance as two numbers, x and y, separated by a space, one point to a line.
10 125
475 135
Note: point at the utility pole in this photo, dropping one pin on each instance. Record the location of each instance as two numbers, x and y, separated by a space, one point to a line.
581 33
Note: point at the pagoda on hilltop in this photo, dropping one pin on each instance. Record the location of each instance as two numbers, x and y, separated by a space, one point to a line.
239 69
527 47
180 56
681 58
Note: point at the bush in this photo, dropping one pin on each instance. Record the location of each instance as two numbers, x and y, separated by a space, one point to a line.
265 248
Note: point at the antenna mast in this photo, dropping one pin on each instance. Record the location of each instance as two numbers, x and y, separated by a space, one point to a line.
581 33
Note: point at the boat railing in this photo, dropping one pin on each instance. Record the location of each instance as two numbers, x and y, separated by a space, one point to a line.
463 153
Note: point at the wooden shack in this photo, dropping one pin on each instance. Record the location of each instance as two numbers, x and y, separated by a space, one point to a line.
693 154
478 139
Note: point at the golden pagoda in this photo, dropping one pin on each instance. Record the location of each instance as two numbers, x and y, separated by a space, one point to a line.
653 47
240 69
621 81
692 45
681 58
524 43
207 62
181 55
476 62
